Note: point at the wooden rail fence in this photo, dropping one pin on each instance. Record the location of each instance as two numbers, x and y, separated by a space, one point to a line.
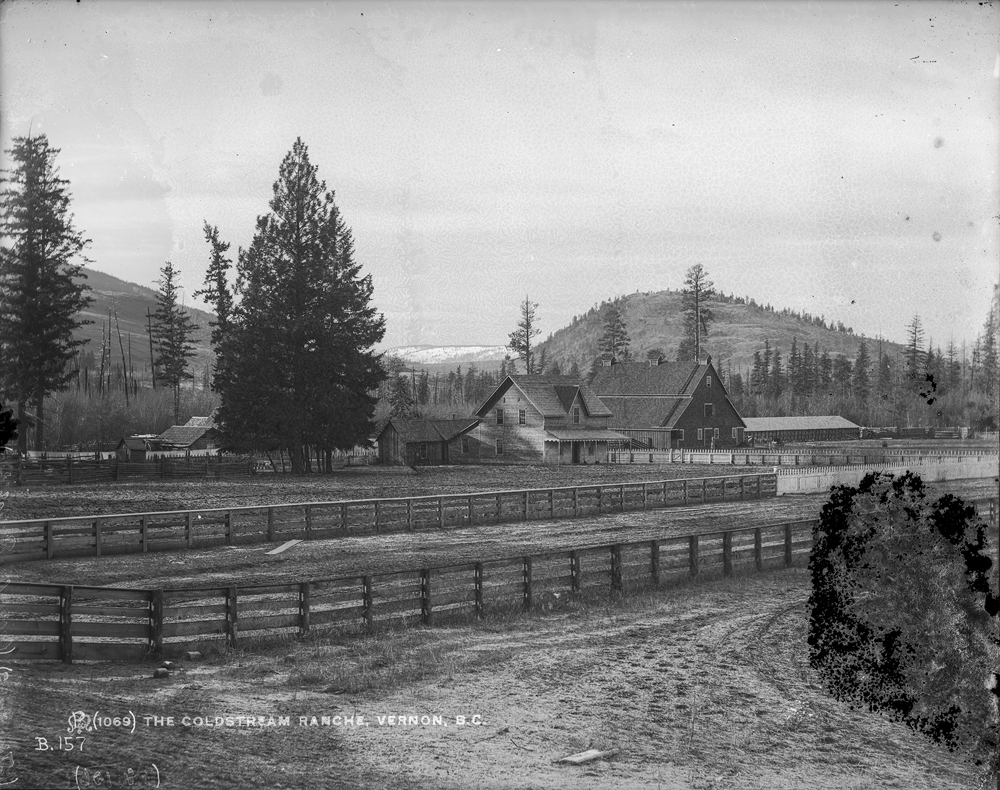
55 471
801 457
97 535
67 623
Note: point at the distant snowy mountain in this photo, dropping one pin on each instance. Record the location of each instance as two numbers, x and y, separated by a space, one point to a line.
455 355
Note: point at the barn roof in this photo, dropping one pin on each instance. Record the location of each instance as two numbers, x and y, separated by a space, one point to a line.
642 378
643 411
553 396
140 442
182 436
431 430
831 422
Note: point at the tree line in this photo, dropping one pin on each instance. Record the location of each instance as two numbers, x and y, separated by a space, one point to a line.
295 369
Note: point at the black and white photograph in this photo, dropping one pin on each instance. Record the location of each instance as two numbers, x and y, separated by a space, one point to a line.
501 395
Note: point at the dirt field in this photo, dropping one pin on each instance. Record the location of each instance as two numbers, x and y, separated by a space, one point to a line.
704 686
325 559
347 483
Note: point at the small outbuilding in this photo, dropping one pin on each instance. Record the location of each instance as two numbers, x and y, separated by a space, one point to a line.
828 428
412 442
137 448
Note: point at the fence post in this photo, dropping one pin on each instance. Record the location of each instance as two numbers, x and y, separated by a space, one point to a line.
645 495
229 527
69 470
441 512
188 527
552 503
525 505
693 555
469 505
425 596
304 608
499 512
343 517
600 496
156 621
478 581
527 583
758 559
704 490
574 570
684 489
378 530
727 553
270 525
117 464
616 568
366 588
409 515
621 494
232 617
654 561
163 463
49 547
788 545
144 533
97 536
66 624
576 502
309 524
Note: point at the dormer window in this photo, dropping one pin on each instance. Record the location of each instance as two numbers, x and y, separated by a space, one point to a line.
576 415
708 381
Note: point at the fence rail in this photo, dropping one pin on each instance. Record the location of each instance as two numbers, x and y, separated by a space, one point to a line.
97 535
810 457
56 471
67 623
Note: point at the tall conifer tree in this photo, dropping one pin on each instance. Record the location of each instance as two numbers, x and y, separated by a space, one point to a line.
300 369
172 332
42 292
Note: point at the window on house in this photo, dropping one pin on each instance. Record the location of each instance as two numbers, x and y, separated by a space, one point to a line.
576 414
716 434
499 446
522 417
423 450
701 435
681 432
708 381
465 444
709 409
499 416
734 433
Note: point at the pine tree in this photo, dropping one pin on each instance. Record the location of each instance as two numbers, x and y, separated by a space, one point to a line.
301 370
41 289
615 339
698 290
915 355
520 339
861 377
172 332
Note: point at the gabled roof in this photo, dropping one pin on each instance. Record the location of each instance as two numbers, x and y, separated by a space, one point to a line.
642 411
830 422
642 378
553 396
431 430
200 422
140 442
182 436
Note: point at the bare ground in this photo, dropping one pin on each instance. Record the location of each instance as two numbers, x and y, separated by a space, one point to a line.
703 686
347 483
342 557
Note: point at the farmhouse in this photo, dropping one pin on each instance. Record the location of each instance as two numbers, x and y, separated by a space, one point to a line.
198 433
542 419
800 429
662 405
413 442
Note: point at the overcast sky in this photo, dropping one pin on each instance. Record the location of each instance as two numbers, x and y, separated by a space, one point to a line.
839 158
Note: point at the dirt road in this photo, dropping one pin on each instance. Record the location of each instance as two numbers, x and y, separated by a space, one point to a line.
704 686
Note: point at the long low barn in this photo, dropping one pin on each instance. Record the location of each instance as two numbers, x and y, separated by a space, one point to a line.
800 429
